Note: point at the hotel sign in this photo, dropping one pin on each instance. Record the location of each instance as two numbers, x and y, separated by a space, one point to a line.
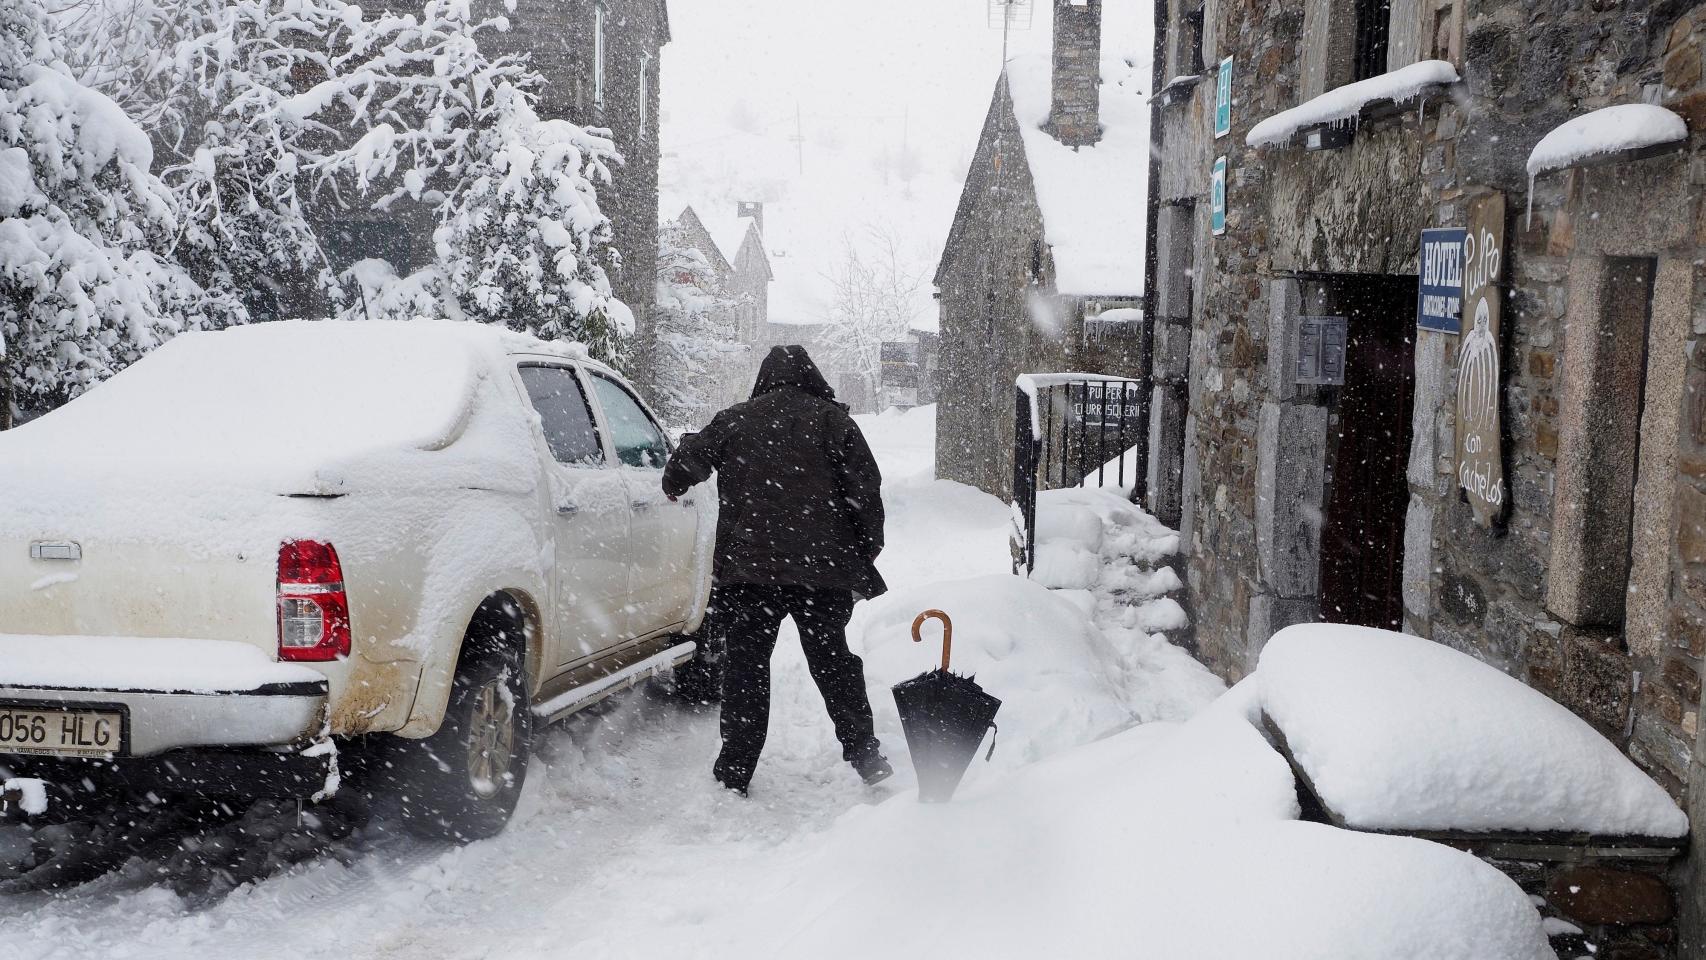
1480 454
1439 302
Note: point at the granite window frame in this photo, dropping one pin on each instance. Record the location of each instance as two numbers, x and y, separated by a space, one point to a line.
1602 407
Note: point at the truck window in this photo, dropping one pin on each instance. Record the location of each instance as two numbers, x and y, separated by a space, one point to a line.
563 412
639 442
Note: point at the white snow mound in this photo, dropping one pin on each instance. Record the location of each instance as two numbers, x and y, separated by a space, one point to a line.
1166 841
1400 733
1034 649
1627 126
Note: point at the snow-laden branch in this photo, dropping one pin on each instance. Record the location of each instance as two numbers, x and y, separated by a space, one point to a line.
87 282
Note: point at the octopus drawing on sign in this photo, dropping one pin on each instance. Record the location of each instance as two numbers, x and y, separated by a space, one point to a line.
1477 404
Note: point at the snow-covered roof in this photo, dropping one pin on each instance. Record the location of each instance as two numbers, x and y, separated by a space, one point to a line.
1345 103
1093 197
1627 126
728 230
1399 732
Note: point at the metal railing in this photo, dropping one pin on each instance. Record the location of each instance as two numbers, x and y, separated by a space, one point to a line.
1066 429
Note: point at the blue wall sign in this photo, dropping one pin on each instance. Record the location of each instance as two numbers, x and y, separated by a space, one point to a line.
1223 99
1217 197
1439 301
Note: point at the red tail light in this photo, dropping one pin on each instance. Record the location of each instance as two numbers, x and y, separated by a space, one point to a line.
313 609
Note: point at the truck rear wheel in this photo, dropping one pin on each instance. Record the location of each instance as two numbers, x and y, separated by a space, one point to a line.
462 782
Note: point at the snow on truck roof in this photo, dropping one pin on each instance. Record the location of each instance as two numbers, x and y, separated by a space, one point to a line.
262 405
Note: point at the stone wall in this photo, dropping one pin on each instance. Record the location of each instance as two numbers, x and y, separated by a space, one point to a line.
1593 588
995 261
557 35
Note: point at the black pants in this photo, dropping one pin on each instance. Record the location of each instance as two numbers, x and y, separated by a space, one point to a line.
749 616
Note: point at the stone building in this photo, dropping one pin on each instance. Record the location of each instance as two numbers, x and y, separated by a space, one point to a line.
599 60
743 277
1048 234
1316 424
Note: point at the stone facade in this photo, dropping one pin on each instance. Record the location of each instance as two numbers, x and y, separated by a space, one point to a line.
1592 588
1001 314
1074 115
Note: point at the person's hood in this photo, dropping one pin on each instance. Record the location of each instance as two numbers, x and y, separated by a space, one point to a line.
791 367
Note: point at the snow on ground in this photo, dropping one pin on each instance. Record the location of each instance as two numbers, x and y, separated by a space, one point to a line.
1087 836
1399 732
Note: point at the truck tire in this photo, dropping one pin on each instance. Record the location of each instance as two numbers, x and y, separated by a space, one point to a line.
462 782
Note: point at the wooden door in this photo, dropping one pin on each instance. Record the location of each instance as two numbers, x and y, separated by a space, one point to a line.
1368 450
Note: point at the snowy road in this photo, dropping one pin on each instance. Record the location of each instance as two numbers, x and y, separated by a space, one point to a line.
620 823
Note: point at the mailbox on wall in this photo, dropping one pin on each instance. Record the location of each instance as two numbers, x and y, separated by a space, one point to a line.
1321 350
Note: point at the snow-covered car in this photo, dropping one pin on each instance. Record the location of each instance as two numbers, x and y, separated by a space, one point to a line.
258 546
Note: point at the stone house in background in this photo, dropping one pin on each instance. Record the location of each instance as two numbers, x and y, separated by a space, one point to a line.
734 243
744 278
1320 469
1048 235
600 60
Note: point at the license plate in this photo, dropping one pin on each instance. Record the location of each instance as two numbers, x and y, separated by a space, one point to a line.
71 731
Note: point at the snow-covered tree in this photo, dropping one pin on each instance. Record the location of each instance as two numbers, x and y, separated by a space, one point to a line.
875 298
88 279
281 115
408 110
521 239
694 348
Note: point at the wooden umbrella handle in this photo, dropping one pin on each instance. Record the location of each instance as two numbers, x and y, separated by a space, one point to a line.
947 631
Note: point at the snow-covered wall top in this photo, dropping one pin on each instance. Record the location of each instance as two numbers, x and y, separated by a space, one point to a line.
1092 198
1345 103
1627 126
1398 732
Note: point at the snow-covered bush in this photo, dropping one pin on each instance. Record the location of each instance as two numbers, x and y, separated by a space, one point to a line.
694 347
88 279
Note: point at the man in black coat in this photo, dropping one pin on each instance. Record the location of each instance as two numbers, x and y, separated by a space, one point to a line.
799 527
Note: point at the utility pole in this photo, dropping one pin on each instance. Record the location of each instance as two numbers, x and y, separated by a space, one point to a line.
799 138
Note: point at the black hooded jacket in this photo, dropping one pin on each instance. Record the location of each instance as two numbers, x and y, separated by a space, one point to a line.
800 496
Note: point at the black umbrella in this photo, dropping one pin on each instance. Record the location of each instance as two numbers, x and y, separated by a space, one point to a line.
945 717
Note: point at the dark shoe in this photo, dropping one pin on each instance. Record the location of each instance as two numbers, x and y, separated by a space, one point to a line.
729 779
873 768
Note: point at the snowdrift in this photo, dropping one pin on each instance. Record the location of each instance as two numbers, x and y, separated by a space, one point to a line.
1400 732
1165 840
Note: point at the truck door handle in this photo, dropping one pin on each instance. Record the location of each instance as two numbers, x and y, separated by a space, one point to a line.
567 509
639 505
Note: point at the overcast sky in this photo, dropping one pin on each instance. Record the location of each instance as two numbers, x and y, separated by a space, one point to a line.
885 98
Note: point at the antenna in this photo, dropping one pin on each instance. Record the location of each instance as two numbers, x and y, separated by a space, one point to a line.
1010 15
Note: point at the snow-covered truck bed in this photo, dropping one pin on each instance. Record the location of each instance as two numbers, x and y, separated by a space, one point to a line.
256 543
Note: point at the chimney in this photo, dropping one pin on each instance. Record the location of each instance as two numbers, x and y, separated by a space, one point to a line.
1075 117
753 209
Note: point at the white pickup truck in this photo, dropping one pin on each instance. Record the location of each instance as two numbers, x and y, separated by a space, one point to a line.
255 545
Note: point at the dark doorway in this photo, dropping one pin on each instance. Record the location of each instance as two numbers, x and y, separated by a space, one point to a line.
1368 449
